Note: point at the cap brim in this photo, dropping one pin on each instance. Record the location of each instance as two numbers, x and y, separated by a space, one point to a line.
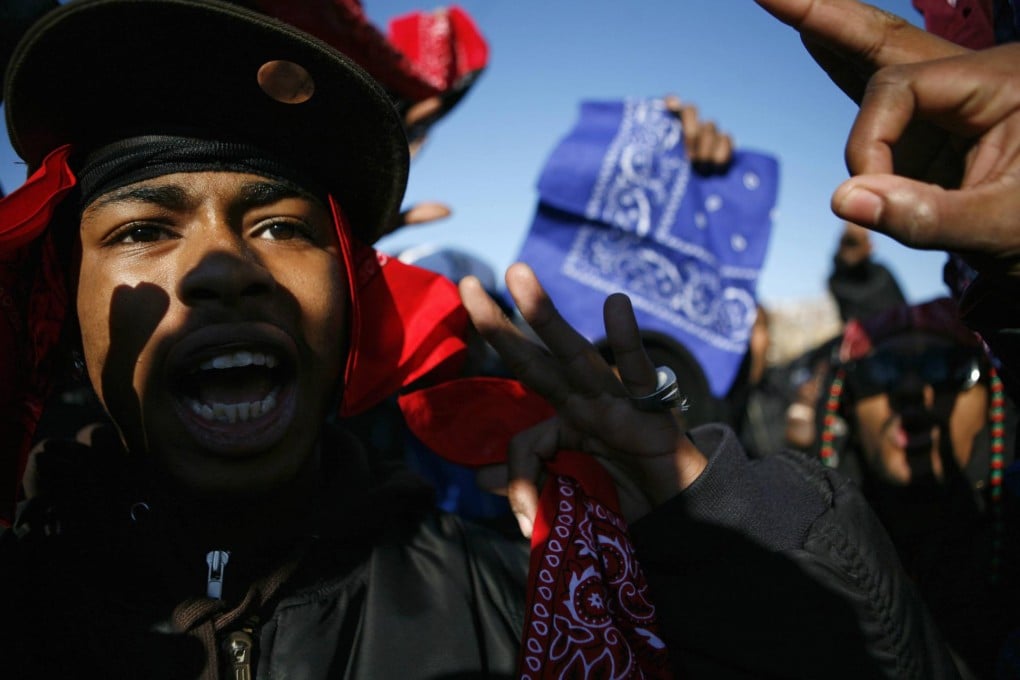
94 71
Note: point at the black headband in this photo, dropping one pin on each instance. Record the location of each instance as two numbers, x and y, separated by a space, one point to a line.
136 159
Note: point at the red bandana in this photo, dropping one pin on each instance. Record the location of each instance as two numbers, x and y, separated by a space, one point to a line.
426 54
940 317
588 613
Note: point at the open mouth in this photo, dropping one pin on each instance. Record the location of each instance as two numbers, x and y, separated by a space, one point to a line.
234 387
913 431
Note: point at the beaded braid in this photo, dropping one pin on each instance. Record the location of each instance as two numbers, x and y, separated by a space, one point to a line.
997 418
828 448
997 426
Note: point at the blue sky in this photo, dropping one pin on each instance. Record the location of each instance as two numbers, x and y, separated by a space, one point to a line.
742 68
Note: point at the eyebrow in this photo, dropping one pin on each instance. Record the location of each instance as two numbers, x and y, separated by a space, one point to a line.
267 192
168 196
175 197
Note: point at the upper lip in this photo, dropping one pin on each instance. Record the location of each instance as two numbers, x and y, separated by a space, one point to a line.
208 342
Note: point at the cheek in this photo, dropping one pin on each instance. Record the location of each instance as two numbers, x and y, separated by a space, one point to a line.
324 312
121 318
967 419
93 319
871 414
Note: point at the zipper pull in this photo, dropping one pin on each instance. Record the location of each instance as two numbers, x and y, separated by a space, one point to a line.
239 652
217 561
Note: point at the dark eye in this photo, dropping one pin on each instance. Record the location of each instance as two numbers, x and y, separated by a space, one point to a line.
280 231
143 233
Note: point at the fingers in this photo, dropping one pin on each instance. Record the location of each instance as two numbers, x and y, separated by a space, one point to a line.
856 29
524 465
850 40
636 370
706 145
973 102
423 111
420 213
967 96
922 215
528 361
711 147
577 361
423 213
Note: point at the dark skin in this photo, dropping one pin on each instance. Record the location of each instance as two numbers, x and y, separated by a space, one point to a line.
648 454
185 270
935 151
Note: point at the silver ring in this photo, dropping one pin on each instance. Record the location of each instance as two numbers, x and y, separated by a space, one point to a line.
666 396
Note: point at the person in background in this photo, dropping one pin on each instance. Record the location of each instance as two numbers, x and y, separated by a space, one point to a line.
919 93
861 286
914 413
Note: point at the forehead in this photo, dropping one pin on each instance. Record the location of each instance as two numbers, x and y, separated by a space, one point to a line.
180 191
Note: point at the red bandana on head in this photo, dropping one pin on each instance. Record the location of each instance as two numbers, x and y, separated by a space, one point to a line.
939 317
589 615
426 53
406 323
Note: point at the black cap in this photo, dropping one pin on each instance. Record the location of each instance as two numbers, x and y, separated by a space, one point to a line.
95 71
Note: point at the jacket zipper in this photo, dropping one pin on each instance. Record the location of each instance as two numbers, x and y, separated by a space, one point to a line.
239 649
217 561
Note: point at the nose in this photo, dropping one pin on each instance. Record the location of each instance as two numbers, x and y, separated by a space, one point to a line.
911 390
222 270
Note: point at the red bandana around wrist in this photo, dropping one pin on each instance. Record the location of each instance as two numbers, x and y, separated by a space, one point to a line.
589 614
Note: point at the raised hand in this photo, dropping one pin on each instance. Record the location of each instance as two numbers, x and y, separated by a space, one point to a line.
933 150
708 148
647 453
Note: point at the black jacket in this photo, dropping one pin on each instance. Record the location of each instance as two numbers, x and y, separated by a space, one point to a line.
763 568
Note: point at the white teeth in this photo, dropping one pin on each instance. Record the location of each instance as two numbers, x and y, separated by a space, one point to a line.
239 360
234 413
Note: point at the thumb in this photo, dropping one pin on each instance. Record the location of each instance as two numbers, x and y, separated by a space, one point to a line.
423 213
926 216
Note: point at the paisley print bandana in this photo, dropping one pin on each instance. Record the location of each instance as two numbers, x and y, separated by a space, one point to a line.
622 210
588 614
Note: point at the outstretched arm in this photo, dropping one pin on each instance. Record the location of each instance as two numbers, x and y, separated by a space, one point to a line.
934 150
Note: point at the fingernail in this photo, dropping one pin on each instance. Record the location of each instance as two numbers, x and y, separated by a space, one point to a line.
525 524
861 205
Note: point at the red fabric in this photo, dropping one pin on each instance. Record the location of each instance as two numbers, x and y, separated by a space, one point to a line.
405 323
965 22
588 612
33 312
405 63
939 317
28 210
444 45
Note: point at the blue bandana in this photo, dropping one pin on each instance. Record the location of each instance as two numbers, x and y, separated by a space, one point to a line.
621 210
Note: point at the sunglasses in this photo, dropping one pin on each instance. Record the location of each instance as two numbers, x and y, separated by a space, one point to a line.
945 369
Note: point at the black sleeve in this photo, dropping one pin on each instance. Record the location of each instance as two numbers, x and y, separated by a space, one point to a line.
777 567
